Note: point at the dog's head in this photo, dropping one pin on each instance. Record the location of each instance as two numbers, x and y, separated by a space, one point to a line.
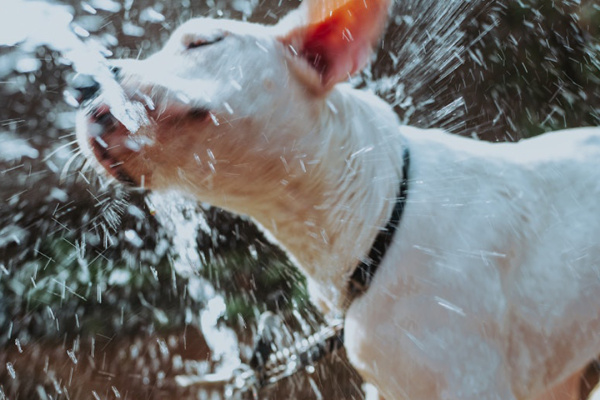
224 96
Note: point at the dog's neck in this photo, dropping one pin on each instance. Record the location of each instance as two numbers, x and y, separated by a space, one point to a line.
328 217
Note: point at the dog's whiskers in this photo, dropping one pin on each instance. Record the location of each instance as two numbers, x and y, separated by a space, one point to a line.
78 154
67 135
59 148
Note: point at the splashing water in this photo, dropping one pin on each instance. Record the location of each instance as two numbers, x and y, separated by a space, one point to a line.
182 216
493 69
66 37
425 58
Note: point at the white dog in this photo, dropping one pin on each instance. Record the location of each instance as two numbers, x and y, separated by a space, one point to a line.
487 287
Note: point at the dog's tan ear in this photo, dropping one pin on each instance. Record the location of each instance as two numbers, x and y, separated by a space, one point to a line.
336 37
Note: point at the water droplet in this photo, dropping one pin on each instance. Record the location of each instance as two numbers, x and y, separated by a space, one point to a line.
11 370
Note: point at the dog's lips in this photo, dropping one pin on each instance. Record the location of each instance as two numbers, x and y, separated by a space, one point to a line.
107 140
111 164
198 113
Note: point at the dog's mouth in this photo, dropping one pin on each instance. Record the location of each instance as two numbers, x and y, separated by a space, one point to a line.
111 164
107 138
115 147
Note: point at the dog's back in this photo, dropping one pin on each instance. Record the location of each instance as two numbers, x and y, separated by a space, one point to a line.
494 271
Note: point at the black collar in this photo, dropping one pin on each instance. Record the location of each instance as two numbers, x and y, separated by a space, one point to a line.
365 271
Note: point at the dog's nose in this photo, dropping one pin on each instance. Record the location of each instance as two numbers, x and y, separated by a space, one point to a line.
86 87
116 71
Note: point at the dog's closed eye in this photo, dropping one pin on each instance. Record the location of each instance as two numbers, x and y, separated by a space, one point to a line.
201 42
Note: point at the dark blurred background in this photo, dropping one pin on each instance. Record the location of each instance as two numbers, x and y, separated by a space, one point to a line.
99 298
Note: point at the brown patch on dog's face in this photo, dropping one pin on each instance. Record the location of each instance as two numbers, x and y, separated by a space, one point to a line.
162 146
104 139
109 145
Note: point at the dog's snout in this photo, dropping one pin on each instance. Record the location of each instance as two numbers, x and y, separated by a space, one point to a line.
86 86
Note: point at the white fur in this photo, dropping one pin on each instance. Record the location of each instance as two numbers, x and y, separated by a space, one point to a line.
489 289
